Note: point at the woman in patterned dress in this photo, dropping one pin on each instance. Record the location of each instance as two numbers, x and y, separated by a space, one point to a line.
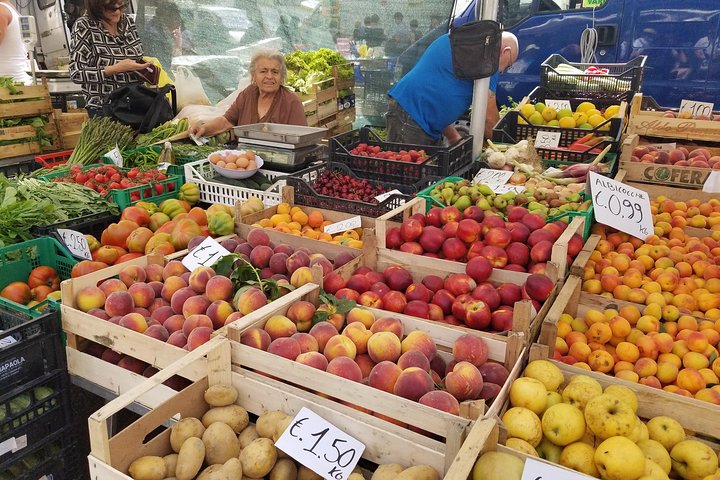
106 51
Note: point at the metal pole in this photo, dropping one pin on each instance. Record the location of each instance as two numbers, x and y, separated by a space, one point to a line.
484 10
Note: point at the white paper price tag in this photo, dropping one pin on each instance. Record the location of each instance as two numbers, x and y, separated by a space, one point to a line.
500 189
384 196
551 170
7 341
8 445
207 253
697 109
712 184
547 139
621 206
537 470
492 178
344 225
115 156
75 242
320 446
558 104
664 147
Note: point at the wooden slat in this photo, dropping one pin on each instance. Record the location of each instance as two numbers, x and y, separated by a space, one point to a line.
653 124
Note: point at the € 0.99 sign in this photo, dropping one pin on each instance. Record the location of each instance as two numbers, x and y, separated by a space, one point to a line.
621 206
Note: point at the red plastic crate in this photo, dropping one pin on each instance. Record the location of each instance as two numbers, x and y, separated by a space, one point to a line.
51 160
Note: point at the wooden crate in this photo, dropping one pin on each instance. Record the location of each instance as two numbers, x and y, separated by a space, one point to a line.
34 100
111 455
69 126
32 147
557 267
684 176
321 91
450 428
654 124
342 83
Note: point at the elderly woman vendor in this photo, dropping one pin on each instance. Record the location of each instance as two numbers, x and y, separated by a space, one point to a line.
265 100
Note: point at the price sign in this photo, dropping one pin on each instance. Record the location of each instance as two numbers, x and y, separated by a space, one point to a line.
558 104
343 225
712 184
384 196
75 242
115 156
207 253
537 470
621 206
320 446
664 147
547 139
492 178
697 109
7 341
500 189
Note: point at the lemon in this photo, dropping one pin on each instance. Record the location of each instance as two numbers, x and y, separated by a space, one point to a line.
596 119
579 118
537 119
567 122
604 127
564 112
611 111
584 107
527 110
540 107
585 126
592 112
553 123
549 113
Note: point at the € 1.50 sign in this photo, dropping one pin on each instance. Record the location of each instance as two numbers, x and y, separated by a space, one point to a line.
621 206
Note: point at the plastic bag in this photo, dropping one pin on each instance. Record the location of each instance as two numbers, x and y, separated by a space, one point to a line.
195 113
189 89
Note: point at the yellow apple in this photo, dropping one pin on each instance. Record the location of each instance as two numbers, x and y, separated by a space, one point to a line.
618 458
666 430
549 451
639 431
579 392
580 457
521 446
553 398
623 393
653 471
563 424
654 451
607 416
529 393
522 423
494 465
547 372
693 460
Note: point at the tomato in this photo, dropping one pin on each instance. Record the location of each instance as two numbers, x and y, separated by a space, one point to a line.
125 183
158 189
161 176
17 292
115 177
99 178
114 186
89 184
44 275
133 173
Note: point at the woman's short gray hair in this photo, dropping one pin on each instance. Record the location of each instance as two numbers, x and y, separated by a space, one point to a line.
270 55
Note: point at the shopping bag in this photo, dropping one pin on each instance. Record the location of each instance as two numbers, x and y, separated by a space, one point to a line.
476 49
189 88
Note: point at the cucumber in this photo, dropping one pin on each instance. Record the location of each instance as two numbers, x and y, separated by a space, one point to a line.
260 179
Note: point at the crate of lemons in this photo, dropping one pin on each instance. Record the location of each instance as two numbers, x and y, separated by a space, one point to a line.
586 116
573 422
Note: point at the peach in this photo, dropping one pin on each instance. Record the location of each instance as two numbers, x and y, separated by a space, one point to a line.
313 359
194 321
170 286
174 268
154 272
322 332
384 346
489 391
132 364
177 339
301 276
134 321
132 274
346 368
691 380
250 300
441 400
279 326
307 342
388 324
255 337
413 358
219 311
260 256
494 373
413 383
384 375
464 382
195 305
421 341
174 323
200 277
197 337
89 298
359 335
119 303
301 313
285 347
362 315
142 294
258 237
297 260
470 348
340 346
218 288
179 298
112 285
158 331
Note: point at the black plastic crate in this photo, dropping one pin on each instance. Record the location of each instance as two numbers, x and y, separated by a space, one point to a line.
56 458
92 224
29 347
510 129
619 79
18 167
442 160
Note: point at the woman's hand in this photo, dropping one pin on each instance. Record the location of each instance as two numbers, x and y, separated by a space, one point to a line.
197 129
210 128
126 65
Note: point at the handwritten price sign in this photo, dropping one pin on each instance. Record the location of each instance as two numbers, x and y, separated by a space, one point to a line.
558 104
697 109
115 156
75 242
547 139
536 470
207 253
621 206
491 177
320 446
343 225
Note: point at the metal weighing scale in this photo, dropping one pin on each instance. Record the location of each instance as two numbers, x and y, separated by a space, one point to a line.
285 148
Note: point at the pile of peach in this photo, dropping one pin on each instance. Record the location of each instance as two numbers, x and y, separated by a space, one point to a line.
668 213
379 353
295 221
658 347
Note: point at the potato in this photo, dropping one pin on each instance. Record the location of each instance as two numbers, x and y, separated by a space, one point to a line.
184 429
266 422
170 463
284 469
148 468
419 472
247 435
356 476
387 472
221 444
233 468
221 395
258 458
305 473
190 459
280 427
213 472
233 415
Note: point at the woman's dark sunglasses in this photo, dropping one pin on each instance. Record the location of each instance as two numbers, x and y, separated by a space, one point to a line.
116 7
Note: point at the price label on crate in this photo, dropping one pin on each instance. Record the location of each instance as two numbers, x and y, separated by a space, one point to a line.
205 254
697 109
384 196
621 206
558 104
500 189
492 178
344 225
712 184
115 156
320 446
663 147
75 242
7 341
537 470
547 139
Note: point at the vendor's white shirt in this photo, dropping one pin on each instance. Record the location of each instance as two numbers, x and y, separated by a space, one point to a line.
13 55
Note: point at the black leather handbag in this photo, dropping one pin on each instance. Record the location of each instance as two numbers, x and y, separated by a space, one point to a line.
140 107
476 49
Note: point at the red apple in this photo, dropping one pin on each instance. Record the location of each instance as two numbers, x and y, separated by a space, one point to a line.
495 255
417 308
519 253
433 282
468 230
394 301
509 293
518 232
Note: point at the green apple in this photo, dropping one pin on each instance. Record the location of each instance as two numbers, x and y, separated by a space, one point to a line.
654 451
549 451
579 392
522 423
547 372
607 416
653 471
666 430
624 394
693 460
529 393
580 457
521 446
494 465
563 424
618 458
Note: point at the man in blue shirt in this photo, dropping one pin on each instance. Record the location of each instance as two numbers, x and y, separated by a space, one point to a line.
425 103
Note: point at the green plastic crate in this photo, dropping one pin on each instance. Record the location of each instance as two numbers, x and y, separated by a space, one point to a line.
17 261
429 200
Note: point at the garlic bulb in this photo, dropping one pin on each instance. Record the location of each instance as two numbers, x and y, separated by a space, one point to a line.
496 160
